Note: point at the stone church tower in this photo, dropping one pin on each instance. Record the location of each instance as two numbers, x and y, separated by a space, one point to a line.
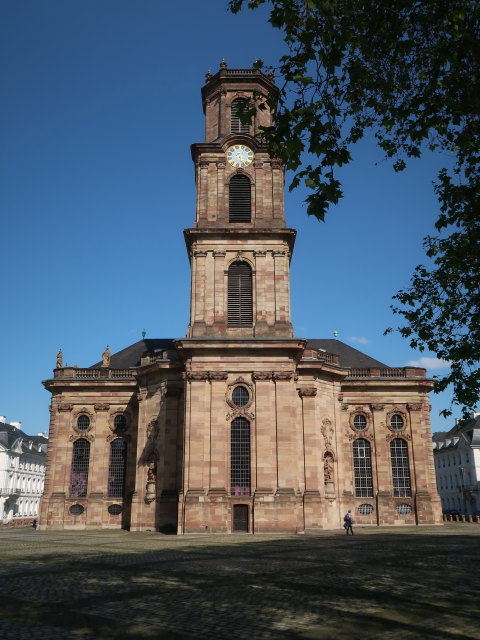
240 426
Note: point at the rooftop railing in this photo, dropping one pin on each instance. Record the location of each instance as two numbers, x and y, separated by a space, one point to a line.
94 374
323 356
386 372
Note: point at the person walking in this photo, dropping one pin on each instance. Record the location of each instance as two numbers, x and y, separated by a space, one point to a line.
347 522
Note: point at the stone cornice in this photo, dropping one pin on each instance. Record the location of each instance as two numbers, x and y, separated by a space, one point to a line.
283 234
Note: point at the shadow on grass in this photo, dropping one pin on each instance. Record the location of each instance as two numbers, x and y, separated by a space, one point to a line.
369 586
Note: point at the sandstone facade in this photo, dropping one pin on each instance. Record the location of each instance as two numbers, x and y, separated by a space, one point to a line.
240 426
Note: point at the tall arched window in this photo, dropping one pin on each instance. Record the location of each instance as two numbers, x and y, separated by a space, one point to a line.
80 463
362 466
400 469
240 298
239 199
116 468
238 105
240 457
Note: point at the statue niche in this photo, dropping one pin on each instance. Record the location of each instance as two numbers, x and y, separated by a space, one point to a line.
329 474
151 486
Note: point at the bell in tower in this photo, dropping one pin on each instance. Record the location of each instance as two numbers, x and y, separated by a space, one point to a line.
239 247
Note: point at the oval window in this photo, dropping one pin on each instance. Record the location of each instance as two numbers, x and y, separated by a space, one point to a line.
365 509
240 396
404 509
360 422
83 422
76 509
120 423
115 509
397 422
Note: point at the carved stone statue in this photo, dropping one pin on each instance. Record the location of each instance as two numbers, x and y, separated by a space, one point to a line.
328 467
151 486
106 357
152 472
59 360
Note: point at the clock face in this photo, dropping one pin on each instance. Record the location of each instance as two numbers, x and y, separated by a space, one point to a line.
239 156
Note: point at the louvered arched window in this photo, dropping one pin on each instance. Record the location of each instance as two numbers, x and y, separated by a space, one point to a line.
238 105
116 468
240 457
400 469
239 199
79 472
362 468
240 299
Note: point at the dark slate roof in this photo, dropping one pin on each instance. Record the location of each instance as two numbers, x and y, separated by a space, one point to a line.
469 431
349 357
131 356
464 427
9 434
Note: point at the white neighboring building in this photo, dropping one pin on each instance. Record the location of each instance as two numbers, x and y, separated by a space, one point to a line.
22 472
456 454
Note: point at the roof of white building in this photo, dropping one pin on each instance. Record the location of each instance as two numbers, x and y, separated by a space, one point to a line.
468 432
13 438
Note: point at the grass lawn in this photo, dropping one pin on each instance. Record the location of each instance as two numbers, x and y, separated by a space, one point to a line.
393 584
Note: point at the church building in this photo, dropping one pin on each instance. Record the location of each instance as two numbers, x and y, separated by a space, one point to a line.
240 426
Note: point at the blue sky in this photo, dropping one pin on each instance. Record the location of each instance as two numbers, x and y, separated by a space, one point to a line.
100 102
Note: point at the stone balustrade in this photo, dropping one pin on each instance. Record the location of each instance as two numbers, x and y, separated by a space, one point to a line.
387 372
93 374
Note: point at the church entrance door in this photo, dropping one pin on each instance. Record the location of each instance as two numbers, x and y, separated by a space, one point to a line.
240 518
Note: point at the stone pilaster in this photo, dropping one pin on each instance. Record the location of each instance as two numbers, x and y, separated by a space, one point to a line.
47 514
427 502
221 204
218 434
286 433
209 295
198 292
220 296
261 326
145 426
282 302
198 431
265 443
312 447
257 209
277 190
202 191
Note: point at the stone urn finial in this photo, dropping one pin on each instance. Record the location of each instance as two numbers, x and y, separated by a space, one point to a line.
223 64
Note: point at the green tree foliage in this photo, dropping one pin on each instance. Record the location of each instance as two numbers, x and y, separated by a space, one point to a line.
409 71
